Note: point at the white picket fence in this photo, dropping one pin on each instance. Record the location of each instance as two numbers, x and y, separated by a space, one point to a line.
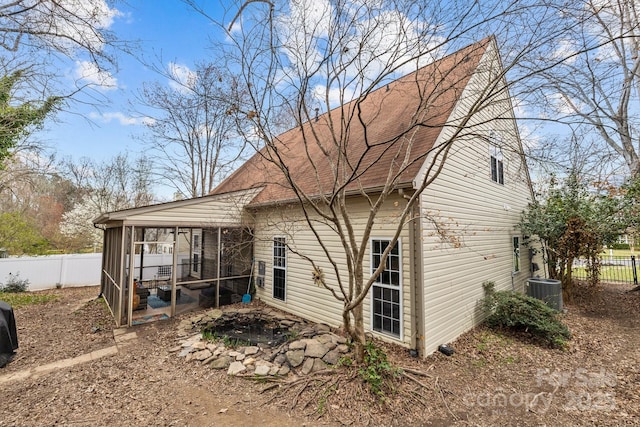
47 272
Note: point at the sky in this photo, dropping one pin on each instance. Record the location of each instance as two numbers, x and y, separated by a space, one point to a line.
160 27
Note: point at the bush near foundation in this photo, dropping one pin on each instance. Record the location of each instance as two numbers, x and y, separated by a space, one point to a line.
524 314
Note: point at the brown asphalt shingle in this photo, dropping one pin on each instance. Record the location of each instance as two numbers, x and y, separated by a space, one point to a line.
373 134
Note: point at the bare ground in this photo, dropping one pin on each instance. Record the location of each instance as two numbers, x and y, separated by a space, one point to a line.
492 379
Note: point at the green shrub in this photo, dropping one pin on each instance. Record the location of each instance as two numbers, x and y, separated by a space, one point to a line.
619 246
14 284
377 372
517 312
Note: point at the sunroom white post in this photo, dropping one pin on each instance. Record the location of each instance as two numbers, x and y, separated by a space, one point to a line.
132 249
218 276
174 273
121 277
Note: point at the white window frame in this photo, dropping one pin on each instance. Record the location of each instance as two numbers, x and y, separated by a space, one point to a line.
283 268
399 288
496 157
516 243
196 252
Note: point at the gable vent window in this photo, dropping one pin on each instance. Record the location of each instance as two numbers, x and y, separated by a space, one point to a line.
497 165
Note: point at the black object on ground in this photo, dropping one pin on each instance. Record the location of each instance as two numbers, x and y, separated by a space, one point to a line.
446 350
8 334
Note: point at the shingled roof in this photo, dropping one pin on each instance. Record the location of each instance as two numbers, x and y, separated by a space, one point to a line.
372 132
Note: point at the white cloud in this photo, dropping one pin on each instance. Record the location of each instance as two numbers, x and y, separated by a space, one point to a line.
77 20
337 96
183 77
236 27
123 119
374 40
561 104
89 72
566 49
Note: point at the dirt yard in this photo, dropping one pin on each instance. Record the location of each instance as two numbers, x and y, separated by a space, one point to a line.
492 379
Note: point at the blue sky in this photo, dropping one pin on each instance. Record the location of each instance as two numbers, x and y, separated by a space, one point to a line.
162 27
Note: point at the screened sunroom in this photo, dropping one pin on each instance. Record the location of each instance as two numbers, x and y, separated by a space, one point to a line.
176 256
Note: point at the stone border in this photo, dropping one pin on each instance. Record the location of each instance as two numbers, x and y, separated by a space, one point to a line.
315 346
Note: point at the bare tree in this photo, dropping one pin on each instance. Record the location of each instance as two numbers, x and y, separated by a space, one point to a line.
191 131
595 80
37 37
62 25
307 57
119 183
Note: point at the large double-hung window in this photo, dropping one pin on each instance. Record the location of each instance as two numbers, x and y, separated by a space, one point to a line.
386 291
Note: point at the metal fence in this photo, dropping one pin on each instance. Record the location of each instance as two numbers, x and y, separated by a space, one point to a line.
612 269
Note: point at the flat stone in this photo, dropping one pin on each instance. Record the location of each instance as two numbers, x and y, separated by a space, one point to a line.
234 353
174 349
308 332
194 338
338 339
315 349
240 357
185 352
262 370
330 345
322 327
284 370
196 319
235 368
251 350
220 363
274 370
324 339
213 314
287 323
186 324
295 357
298 345
280 359
248 361
200 345
202 355
212 347
332 357
318 365
343 348
260 362
209 360
307 366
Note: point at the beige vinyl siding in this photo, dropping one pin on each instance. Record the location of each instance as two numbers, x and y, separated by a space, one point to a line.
478 217
303 297
219 210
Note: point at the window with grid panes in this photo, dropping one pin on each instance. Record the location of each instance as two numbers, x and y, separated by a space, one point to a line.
386 291
279 268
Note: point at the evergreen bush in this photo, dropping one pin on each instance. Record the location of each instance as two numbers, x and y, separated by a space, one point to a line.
522 313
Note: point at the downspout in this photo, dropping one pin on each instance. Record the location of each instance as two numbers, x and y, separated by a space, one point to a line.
415 273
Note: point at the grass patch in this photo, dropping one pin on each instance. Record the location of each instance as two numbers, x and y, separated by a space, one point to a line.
22 299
